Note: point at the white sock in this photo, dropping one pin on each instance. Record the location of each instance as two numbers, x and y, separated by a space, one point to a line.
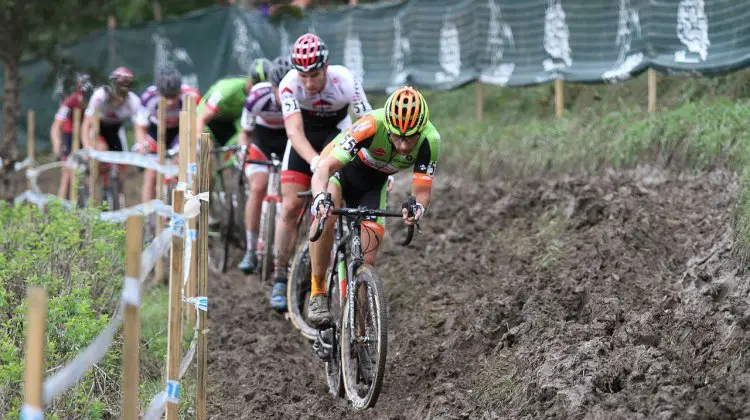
252 240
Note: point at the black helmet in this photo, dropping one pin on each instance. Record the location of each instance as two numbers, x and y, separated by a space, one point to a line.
169 82
85 86
260 70
281 66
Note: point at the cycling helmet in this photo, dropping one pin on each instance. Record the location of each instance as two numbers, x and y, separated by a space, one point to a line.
260 70
406 112
81 79
120 80
281 66
309 53
169 82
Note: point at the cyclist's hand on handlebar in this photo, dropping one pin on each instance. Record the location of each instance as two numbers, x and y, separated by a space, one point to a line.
322 206
412 211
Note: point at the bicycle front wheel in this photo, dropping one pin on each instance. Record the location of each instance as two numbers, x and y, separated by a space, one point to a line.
364 339
298 292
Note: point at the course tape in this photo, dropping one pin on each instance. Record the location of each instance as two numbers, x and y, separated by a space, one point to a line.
93 353
134 159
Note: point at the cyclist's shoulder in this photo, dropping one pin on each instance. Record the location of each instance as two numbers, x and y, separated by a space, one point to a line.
259 93
72 101
286 86
186 89
149 94
371 124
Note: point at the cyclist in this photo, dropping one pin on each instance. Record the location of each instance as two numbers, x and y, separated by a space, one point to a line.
221 107
63 124
261 119
315 99
169 85
356 167
115 103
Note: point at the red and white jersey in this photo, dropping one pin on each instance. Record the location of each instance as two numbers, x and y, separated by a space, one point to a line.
148 111
65 112
109 114
261 108
329 107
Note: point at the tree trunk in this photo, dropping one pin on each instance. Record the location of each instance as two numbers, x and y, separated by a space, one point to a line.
9 142
11 112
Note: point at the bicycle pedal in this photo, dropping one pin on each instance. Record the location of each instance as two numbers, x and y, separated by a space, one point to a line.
322 346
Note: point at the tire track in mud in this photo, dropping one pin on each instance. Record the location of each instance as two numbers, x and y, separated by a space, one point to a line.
608 296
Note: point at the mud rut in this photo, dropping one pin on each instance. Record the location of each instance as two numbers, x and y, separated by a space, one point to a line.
603 297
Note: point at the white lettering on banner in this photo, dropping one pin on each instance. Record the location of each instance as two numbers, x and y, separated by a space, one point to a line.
628 28
401 51
556 37
450 52
499 35
692 31
353 58
244 48
285 44
166 55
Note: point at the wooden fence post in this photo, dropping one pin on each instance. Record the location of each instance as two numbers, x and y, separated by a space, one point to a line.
651 90
73 150
174 333
30 134
480 100
559 97
94 191
35 343
160 190
202 361
192 223
132 322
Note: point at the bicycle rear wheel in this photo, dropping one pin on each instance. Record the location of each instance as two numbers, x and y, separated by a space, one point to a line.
220 210
364 339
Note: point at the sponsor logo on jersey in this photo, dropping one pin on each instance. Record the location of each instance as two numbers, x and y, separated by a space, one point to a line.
320 103
362 126
287 90
379 152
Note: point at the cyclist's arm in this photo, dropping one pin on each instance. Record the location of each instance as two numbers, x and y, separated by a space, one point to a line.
202 120
86 130
97 99
424 169
54 134
140 124
247 122
296 133
209 109
327 166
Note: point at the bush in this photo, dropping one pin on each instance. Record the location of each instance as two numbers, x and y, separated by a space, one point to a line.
79 260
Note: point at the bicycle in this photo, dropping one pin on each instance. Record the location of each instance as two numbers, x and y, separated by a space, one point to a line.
353 368
269 216
110 192
226 223
298 286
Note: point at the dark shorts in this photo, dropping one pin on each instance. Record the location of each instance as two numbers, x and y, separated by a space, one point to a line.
172 138
361 186
223 130
113 137
66 146
295 169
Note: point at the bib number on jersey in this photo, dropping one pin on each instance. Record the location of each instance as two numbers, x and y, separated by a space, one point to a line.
290 105
348 143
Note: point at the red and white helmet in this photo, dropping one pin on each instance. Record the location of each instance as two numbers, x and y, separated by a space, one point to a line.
309 53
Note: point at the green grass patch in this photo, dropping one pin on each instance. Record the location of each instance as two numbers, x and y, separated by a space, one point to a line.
79 260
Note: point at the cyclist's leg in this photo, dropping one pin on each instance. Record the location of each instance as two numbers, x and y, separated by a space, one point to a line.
108 138
373 229
320 250
67 142
258 179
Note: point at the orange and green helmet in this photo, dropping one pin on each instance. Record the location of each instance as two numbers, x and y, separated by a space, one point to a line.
406 112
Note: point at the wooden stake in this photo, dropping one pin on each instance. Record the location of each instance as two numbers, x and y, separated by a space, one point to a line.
132 322
30 128
651 90
174 333
35 343
94 191
160 190
202 361
480 100
559 98
73 149
30 131
193 223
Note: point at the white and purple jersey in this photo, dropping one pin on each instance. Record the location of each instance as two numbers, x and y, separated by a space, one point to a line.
110 114
148 112
261 108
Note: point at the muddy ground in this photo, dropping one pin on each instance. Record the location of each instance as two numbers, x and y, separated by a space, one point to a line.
615 296
602 297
